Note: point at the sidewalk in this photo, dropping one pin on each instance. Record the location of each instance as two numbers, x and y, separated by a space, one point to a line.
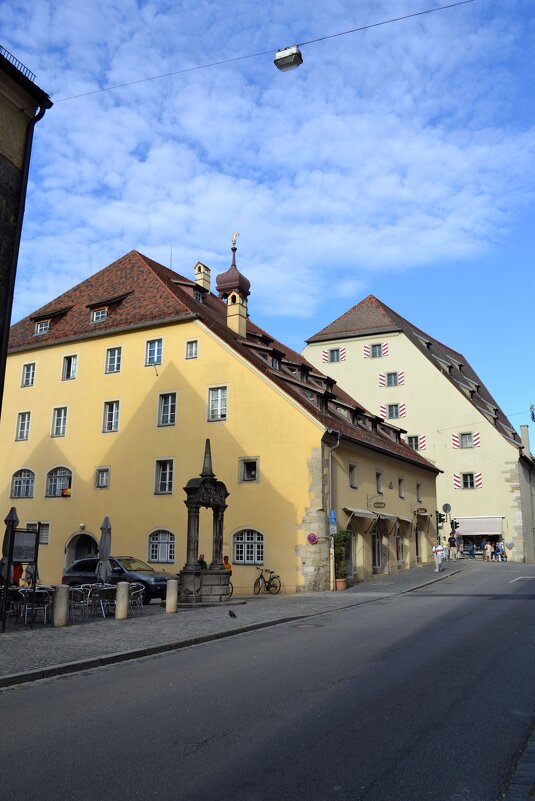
29 655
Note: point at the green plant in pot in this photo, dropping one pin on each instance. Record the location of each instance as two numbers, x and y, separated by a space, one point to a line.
340 539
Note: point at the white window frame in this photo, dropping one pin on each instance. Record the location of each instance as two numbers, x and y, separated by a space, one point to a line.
22 484
70 367
59 421
413 441
161 546
376 350
248 547
466 440
153 352
248 470
28 374
113 359
100 481
99 315
167 409
392 379
192 349
468 481
23 426
217 403
164 476
334 355
44 531
42 327
391 407
110 420
57 480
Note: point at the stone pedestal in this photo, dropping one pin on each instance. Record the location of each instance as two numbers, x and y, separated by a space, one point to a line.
215 585
190 586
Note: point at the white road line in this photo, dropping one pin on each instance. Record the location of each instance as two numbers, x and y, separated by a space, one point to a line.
521 578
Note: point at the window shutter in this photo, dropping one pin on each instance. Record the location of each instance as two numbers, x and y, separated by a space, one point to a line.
385 349
382 379
324 356
382 411
455 440
476 439
457 481
402 410
401 377
422 442
478 480
366 352
342 354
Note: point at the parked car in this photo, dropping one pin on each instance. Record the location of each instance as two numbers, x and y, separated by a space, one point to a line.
123 568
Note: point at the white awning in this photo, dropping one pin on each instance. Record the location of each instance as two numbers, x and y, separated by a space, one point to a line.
404 519
478 526
359 512
385 516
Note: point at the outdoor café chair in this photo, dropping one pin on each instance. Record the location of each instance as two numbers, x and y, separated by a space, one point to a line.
136 596
78 603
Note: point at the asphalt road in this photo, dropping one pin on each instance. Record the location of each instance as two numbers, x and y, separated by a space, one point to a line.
428 696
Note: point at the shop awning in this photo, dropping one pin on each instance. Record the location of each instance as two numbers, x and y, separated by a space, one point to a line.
386 516
404 519
359 512
479 526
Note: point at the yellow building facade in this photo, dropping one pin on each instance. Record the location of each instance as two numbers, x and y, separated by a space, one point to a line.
111 392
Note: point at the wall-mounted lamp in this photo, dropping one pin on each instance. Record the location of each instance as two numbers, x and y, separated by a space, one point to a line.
82 526
289 58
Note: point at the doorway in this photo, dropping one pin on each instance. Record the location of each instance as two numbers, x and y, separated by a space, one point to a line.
80 546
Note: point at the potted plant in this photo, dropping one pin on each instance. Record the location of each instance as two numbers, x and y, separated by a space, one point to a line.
340 570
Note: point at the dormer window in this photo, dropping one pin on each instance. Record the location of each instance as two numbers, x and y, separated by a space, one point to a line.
275 363
42 327
197 294
98 315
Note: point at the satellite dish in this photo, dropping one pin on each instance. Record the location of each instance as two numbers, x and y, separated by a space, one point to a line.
446 508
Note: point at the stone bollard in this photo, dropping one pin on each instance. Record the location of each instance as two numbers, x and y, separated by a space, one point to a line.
121 600
60 607
171 597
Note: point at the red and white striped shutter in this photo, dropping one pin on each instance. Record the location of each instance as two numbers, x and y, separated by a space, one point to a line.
455 441
422 442
382 411
478 480
402 410
342 354
324 356
385 348
403 438
366 351
401 377
476 439
382 379
457 481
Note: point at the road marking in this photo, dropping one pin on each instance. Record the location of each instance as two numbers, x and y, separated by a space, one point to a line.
521 578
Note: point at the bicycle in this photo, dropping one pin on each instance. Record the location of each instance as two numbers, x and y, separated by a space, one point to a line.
272 584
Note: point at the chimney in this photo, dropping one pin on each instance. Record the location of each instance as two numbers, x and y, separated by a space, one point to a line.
202 276
524 435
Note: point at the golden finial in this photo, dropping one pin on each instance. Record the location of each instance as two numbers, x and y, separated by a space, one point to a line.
235 235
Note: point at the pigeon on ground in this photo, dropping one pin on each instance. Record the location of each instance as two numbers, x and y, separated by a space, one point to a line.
231 613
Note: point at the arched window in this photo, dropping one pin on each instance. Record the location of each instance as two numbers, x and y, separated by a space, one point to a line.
22 484
161 546
58 482
248 547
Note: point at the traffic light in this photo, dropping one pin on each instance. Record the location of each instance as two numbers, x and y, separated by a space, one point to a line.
454 524
440 518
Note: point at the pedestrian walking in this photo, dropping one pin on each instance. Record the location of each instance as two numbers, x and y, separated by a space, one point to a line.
438 554
488 551
446 550
452 544
471 550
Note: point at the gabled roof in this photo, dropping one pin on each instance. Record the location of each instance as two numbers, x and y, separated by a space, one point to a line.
372 317
142 293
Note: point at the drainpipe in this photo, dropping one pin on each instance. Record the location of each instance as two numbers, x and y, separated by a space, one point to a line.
331 538
10 288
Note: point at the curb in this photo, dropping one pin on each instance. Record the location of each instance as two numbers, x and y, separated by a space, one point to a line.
14 679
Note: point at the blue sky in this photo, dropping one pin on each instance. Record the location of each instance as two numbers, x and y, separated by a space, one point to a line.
397 161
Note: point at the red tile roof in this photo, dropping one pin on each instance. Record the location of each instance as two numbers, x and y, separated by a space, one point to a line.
142 293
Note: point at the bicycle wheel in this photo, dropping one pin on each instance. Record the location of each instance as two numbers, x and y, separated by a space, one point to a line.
257 585
230 589
274 585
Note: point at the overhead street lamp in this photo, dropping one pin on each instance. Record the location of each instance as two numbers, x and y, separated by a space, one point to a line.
289 58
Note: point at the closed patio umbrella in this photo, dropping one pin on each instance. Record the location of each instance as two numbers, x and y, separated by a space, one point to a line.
103 569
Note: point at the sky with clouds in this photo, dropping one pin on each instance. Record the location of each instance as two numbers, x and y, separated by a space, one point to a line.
397 161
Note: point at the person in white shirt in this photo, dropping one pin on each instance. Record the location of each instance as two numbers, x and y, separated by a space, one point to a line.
438 553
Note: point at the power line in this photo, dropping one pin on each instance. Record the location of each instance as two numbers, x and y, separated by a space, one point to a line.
261 53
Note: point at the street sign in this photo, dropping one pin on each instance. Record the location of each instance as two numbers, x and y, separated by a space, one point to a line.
332 528
332 516
446 508
312 538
